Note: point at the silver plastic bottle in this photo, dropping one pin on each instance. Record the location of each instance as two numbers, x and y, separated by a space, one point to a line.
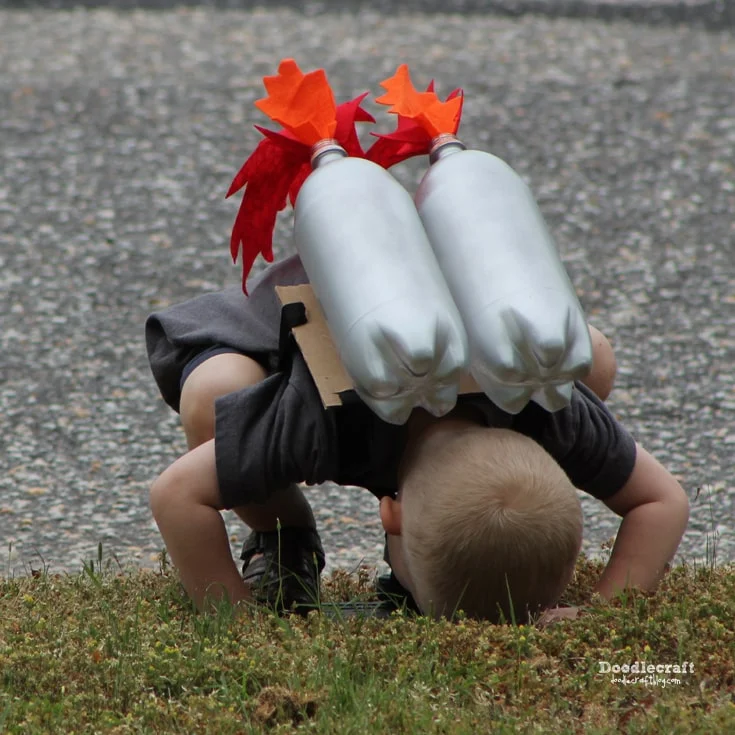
389 309
527 332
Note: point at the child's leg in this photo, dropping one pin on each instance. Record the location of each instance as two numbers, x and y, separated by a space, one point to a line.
217 376
602 376
278 564
186 505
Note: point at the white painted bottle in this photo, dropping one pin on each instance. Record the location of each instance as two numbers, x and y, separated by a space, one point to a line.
369 261
527 332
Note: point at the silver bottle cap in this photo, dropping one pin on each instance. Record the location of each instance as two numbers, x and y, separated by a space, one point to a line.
443 145
325 151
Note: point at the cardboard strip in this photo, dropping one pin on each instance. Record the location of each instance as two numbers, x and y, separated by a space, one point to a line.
317 346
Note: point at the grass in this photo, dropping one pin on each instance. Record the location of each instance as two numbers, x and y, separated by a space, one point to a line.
122 652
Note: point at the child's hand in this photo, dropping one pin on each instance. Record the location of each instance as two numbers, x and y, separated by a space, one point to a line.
556 615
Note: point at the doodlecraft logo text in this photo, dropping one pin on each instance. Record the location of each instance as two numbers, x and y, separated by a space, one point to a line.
647 674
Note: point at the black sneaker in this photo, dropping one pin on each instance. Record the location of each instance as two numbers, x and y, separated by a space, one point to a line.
285 575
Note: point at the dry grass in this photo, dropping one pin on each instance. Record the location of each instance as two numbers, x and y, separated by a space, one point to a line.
113 652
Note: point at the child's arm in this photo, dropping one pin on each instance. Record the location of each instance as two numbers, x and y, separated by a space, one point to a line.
655 512
186 505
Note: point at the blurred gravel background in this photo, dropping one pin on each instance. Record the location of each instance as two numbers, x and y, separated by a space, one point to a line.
120 131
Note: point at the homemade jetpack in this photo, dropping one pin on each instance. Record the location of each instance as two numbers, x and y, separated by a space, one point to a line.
415 295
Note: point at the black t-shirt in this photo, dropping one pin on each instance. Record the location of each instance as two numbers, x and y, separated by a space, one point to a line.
277 432
590 445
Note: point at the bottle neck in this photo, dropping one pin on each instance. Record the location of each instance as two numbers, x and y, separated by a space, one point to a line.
326 151
445 145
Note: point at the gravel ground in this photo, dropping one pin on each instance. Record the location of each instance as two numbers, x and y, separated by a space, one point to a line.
712 14
120 132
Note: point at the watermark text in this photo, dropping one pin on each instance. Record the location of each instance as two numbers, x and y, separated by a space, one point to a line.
647 674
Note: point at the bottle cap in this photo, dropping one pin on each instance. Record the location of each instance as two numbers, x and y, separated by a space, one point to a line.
321 150
444 144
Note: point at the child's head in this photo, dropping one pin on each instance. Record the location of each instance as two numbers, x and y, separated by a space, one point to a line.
486 516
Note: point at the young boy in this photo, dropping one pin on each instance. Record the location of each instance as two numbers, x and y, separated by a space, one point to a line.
479 507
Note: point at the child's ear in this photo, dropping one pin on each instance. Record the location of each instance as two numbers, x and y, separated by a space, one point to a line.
390 515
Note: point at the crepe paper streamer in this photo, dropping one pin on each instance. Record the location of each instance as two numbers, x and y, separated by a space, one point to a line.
277 168
422 116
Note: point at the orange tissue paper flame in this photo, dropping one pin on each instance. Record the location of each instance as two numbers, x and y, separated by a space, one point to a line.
423 108
302 103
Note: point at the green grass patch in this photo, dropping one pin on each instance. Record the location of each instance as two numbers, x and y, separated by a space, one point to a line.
123 652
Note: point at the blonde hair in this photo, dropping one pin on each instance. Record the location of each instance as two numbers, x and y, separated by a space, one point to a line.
490 525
